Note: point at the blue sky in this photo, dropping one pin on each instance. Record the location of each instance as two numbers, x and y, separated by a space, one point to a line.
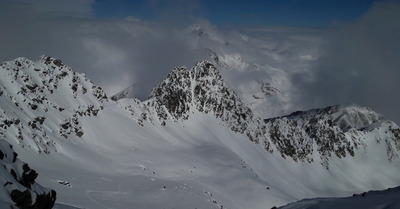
308 13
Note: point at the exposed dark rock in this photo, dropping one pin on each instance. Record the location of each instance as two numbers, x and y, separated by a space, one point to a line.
15 155
45 201
8 183
65 125
23 200
79 133
28 176
57 62
20 182
12 172
33 106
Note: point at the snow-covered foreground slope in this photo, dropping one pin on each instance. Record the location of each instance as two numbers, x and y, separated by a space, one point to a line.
193 144
387 199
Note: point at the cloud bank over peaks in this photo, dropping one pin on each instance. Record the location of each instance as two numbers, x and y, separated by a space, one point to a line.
311 67
120 52
360 64
113 53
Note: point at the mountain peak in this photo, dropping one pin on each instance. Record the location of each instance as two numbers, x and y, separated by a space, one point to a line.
206 67
50 60
344 116
202 89
129 92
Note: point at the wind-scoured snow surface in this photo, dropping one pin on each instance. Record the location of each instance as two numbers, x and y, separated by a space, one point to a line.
193 144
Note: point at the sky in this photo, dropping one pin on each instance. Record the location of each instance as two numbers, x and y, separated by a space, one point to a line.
329 52
311 13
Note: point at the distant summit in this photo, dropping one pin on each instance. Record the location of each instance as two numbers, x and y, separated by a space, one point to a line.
129 92
332 131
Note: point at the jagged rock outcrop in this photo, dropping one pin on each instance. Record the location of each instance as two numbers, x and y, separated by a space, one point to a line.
335 130
19 186
32 92
203 89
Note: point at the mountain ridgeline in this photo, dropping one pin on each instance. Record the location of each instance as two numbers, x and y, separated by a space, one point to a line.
36 91
335 130
193 119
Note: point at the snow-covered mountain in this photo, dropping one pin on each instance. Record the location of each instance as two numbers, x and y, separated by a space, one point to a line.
193 144
42 100
336 130
203 89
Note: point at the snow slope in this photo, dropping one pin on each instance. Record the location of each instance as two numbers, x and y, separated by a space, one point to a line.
193 144
388 199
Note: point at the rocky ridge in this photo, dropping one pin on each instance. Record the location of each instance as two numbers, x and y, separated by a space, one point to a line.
203 89
33 91
336 130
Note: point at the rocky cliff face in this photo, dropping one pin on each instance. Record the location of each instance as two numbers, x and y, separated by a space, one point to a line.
335 130
18 183
203 89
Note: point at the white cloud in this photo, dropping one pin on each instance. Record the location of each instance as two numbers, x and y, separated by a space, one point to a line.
360 64
357 63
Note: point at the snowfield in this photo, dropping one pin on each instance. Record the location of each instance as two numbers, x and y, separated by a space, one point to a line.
176 150
388 199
